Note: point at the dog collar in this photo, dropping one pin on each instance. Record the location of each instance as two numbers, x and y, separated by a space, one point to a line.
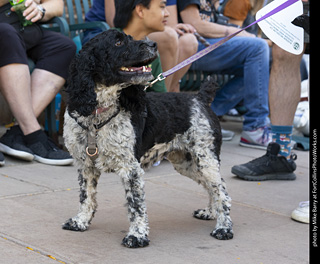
95 121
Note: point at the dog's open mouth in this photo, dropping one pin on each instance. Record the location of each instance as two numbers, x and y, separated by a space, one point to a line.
135 70
138 68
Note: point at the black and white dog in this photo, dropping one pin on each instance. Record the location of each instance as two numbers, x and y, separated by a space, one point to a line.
112 125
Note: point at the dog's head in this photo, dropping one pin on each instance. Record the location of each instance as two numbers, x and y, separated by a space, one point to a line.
110 58
302 21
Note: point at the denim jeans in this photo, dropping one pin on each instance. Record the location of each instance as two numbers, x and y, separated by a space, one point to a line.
248 60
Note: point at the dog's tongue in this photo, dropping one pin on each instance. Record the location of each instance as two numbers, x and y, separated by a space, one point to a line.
135 68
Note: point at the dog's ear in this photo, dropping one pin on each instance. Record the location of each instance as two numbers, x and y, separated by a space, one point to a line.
302 21
80 86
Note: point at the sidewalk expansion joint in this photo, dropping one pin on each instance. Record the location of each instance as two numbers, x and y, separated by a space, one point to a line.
24 181
35 193
32 249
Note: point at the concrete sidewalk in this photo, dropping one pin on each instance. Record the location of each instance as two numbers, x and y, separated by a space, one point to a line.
35 199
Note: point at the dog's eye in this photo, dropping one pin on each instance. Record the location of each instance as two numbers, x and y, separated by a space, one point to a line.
119 43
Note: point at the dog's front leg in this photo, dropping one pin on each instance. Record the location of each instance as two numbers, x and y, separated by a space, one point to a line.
88 179
137 213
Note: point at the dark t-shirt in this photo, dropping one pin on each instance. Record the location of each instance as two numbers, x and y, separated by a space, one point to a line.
171 2
96 12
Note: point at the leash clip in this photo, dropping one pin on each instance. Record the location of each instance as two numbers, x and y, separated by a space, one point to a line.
159 78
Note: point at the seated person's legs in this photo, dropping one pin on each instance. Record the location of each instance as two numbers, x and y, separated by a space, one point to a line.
285 84
174 49
168 43
26 140
52 55
248 60
188 46
15 87
284 93
15 78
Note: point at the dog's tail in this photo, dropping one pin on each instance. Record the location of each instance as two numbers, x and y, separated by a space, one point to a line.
208 90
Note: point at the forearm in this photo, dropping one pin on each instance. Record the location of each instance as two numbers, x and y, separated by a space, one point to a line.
109 11
211 30
190 15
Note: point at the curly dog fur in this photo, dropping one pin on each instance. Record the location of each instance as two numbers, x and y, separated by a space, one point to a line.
109 109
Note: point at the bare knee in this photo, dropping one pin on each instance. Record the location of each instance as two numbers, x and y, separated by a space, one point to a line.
188 44
282 57
167 40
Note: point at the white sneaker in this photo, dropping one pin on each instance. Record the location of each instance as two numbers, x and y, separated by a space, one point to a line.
226 134
301 118
233 115
259 138
156 164
301 214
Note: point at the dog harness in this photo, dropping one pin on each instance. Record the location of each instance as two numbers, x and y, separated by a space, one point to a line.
92 148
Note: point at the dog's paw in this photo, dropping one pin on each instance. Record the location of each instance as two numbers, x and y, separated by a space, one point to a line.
222 233
74 226
203 214
131 241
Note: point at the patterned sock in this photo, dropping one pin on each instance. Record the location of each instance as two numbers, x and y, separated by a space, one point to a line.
282 135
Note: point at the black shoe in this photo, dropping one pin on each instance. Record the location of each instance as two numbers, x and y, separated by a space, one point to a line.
1 159
45 151
268 167
12 143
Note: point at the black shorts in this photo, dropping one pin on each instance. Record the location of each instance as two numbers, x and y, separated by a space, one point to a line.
49 50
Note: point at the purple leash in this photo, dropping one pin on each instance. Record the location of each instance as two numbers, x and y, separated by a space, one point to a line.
212 47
